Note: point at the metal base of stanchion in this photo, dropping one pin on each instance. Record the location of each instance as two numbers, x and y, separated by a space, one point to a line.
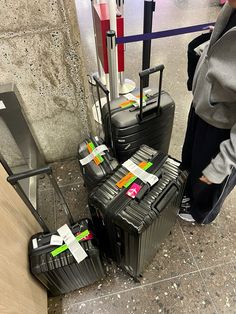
96 110
127 87
102 79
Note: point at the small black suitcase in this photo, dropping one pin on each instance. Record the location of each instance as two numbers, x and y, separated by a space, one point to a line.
128 128
93 172
61 273
130 230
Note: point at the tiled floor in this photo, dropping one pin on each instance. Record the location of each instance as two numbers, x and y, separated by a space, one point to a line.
195 269
193 272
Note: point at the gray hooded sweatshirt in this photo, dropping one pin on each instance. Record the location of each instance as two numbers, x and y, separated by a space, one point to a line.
214 93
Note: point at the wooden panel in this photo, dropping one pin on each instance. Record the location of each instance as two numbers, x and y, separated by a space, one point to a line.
20 292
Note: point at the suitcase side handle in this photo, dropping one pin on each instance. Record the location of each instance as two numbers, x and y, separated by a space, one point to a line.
100 85
13 180
147 72
164 200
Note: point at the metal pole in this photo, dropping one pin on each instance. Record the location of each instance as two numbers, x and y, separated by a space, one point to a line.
149 8
120 6
112 64
99 65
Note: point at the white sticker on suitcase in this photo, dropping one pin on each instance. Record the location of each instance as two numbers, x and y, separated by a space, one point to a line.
2 106
140 173
56 240
73 245
98 150
35 243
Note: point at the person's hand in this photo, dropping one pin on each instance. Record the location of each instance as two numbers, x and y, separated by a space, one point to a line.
211 28
205 180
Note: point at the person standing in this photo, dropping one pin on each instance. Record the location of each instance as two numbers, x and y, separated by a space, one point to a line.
209 150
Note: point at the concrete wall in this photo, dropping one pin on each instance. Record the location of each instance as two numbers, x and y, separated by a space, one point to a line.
40 51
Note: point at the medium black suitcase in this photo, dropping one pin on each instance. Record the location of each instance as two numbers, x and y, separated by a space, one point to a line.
130 230
127 128
60 273
95 172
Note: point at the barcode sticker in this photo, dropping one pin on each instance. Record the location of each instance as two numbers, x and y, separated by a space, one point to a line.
56 240
2 106
76 249
35 243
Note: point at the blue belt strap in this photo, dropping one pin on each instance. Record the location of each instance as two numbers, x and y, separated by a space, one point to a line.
167 33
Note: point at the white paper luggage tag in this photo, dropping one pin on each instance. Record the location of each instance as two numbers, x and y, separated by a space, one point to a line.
140 173
98 150
130 96
73 245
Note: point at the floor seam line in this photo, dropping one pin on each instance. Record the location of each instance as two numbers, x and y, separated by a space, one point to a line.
139 287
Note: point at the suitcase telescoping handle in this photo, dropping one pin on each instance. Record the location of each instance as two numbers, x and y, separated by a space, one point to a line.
13 180
100 85
147 72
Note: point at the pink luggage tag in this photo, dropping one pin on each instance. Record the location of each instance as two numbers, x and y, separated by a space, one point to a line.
134 189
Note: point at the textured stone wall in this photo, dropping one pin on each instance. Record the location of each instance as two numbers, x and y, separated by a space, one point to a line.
40 52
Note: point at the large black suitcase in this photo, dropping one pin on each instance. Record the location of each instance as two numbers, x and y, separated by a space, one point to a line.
129 127
61 273
131 230
92 172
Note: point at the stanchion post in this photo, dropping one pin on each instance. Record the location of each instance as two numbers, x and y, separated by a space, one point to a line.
120 5
149 8
101 74
112 64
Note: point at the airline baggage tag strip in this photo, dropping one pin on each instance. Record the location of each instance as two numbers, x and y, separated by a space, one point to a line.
76 249
98 150
140 173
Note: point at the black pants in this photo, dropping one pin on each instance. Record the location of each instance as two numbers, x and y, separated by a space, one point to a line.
201 145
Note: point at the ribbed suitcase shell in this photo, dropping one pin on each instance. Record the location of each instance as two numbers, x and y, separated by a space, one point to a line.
94 174
62 274
129 133
130 231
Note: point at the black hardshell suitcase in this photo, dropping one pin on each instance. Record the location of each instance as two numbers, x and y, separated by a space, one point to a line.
61 274
92 173
132 127
131 230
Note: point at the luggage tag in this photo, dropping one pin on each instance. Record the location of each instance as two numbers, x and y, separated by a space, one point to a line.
134 190
140 173
127 180
98 158
71 243
95 154
134 101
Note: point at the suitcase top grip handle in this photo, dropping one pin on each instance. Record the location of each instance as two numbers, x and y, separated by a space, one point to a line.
13 179
149 71
158 68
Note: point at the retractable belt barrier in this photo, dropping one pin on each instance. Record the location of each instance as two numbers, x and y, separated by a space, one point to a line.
162 34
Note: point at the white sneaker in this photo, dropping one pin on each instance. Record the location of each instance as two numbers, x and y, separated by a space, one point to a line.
184 215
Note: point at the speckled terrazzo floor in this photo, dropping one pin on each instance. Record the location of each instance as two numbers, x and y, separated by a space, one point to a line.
193 272
195 269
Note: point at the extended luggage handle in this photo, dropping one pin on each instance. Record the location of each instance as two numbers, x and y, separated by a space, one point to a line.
100 85
13 180
147 72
